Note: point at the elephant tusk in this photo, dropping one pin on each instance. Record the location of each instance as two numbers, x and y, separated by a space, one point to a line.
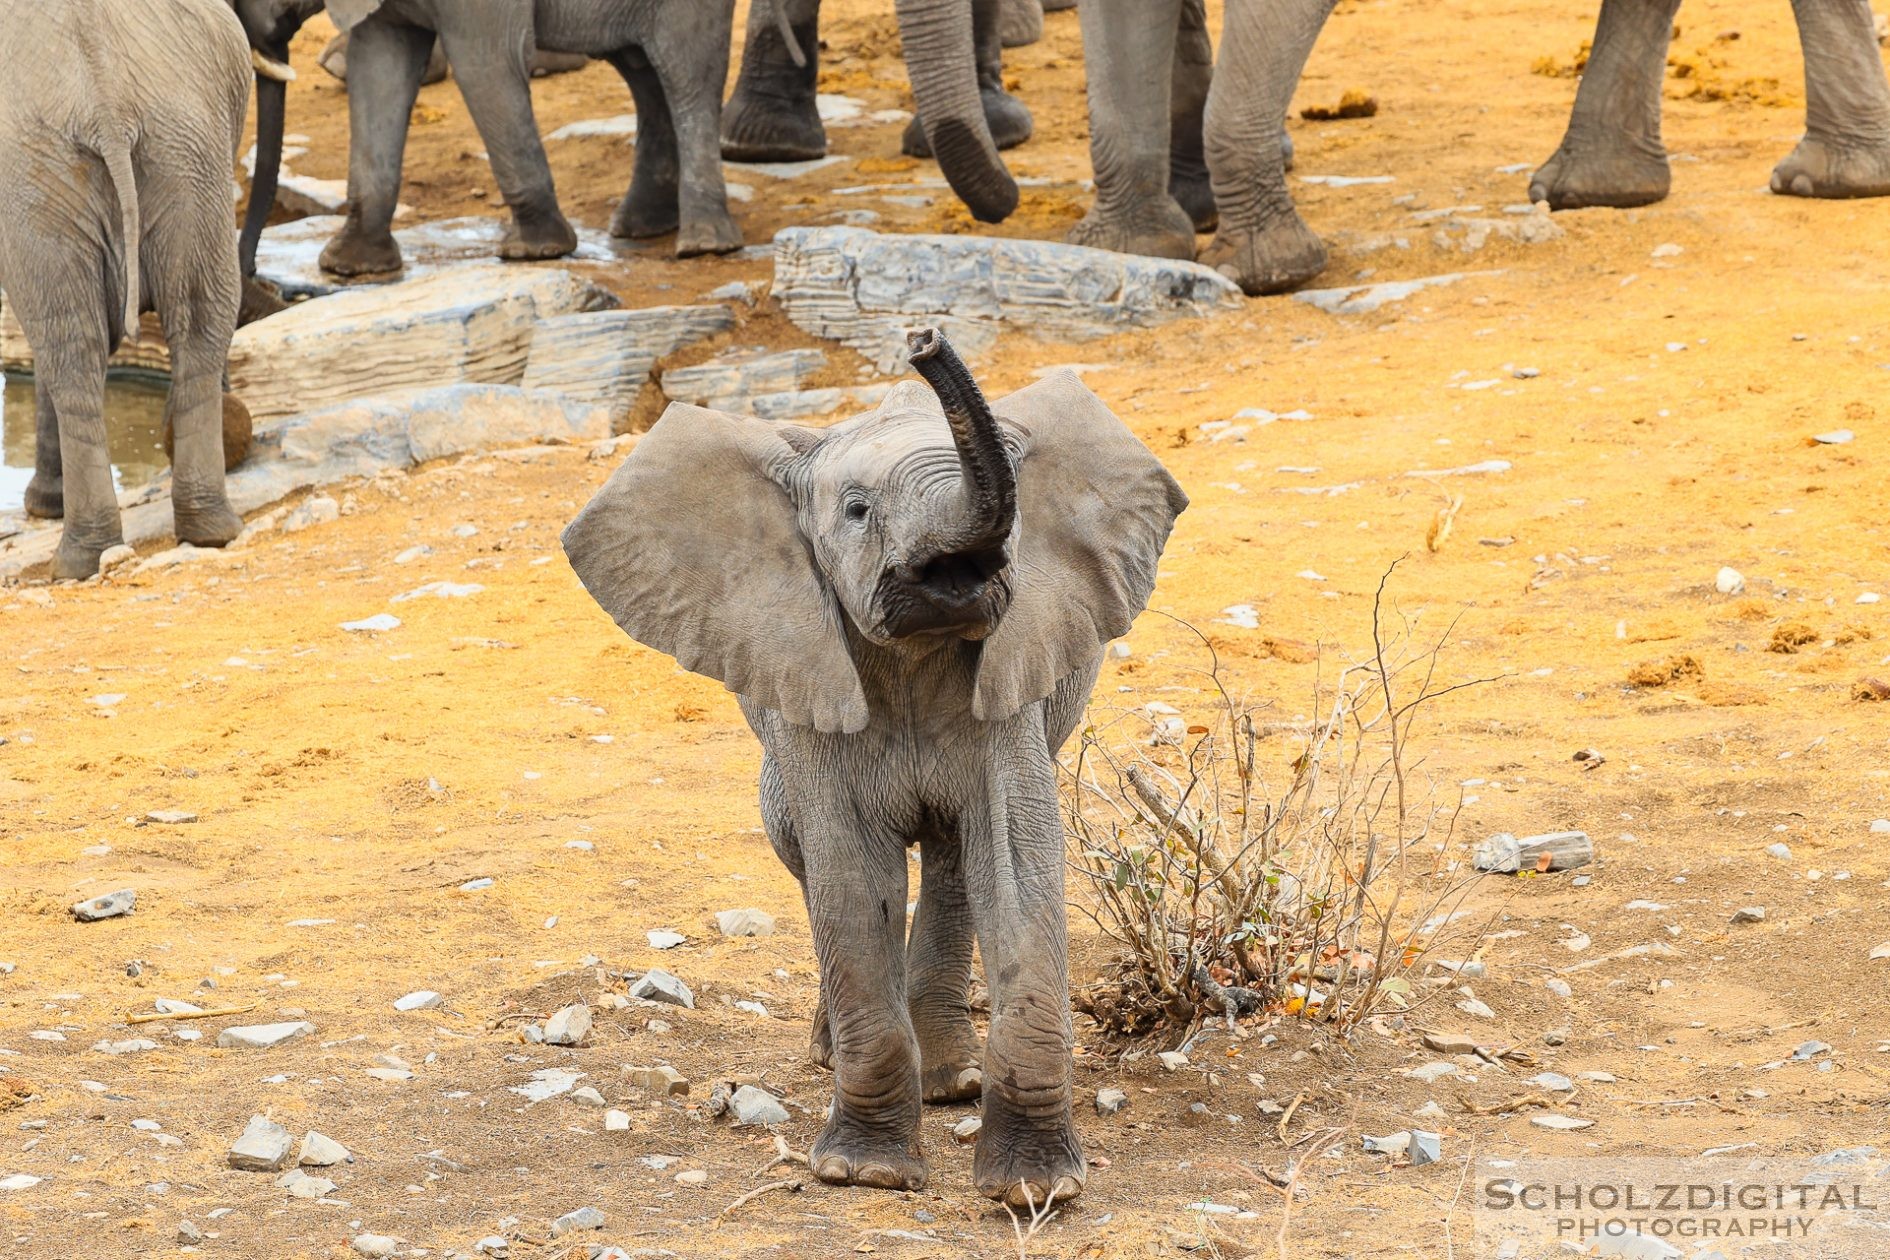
270 68
787 33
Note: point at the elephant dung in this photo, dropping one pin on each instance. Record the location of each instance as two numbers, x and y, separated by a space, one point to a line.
264 1146
263 1036
864 290
604 357
659 986
471 324
745 923
569 1027
109 906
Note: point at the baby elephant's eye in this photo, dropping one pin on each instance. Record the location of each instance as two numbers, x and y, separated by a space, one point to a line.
856 510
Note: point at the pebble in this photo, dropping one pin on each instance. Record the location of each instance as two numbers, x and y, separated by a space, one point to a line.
1810 1050
745 923
264 1146
694 1177
1730 582
588 1096
19 1181
302 1186
1430 1111
1836 437
378 622
171 1006
1554 1082
1450 1043
1880 826
1111 1102
1172 1060
659 986
1560 988
377 1245
465 531
114 558
1599 1078
109 906
262 1036
662 1081
583 1218
132 1046
413 553
965 1132
439 590
1668 250
1555 1037
1472 1006
419 1000
321 1151
616 1121
569 1027
476 885
663 938
1563 1123
1749 914
756 1106
1431 1072
390 1074
495 1245
174 817
1782 852
188 1233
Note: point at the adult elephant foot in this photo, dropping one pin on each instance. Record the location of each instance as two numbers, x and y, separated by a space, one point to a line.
77 558
261 299
1588 175
948 1057
1009 120
1025 1162
1275 259
849 1153
1821 167
534 238
712 234
766 128
1158 228
211 525
356 251
45 500
1194 193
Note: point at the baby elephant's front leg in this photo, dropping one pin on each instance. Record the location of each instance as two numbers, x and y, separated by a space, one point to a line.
856 895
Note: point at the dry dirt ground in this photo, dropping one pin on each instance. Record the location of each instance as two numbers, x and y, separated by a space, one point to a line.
355 782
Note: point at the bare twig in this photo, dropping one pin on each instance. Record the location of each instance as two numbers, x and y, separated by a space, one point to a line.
148 1016
793 1185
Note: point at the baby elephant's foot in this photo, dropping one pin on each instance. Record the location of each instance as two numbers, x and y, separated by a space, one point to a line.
1025 1162
538 237
77 558
1581 176
711 234
1834 168
211 525
1159 228
1275 259
46 499
643 214
357 251
847 1154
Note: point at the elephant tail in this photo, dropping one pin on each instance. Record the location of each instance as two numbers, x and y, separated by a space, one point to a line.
786 28
117 155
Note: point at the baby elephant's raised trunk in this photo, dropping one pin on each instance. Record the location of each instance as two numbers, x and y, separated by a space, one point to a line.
990 480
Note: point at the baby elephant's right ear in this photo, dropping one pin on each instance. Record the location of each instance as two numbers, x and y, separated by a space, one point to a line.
694 548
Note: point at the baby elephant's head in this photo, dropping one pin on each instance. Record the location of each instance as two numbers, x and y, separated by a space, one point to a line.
749 549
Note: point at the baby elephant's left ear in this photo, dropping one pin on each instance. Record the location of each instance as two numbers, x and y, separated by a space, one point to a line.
1094 509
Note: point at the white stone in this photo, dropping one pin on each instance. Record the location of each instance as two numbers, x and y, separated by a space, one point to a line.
1564 1123
378 622
262 1036
419 1000
318 510
548 1083
263 1147
109 906
439 590
375 1246
664 938
321 1151
745 923
756 1106
132 1046
587 1096
569 1027
1730 582
866 290
114 558
19 1181
660 986
1362 299
603 358
616 1121
303 1186
1880 826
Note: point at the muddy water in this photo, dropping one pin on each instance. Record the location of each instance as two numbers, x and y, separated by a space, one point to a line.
134 419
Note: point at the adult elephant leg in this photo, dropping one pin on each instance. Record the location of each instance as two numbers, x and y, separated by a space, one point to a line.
772 116
385 61
1009 121
1028 1151
1188 181
1846 149
691 79
491 53
1130 49
1612 154
649 208
1263 245
44 496
938 973
1022 22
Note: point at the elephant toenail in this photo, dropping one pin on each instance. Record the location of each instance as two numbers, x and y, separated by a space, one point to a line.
1801 184
833 1169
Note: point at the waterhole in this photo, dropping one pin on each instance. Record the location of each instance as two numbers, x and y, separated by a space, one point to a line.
134 425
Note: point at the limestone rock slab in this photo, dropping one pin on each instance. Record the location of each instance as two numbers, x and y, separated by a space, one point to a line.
605 357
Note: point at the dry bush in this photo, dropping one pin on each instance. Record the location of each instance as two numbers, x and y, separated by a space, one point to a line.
1315 897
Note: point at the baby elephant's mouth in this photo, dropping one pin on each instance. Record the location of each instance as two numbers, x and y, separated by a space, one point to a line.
952 591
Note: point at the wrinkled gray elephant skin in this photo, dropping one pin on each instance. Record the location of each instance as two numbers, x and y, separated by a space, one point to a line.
119 125
673 54
911 606
955 61
1149 201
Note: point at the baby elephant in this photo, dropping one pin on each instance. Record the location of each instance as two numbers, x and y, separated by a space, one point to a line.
119 124
912 607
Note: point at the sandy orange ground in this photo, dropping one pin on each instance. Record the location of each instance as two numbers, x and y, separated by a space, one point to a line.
361 779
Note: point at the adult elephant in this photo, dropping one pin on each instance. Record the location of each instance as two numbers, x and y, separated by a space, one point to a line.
118 127
1611 155
672 53
955 60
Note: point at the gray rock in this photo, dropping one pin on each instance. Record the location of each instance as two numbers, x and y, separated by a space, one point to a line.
1554 1082
302 1186
1555 1037
188 1234
1782 852
663 1082
375 1245
109 906
1172 1060
966 1131
583 1218
171 817
587 1096
658 985
262 1036
289 254
321 1151
497 1246
865 290
1749 914
419 1000
1362 299
616 1121
745 923
753 1105
728 380
1560 988
1564 1123
318 510
133 1045
263 1147
569 1027
1810 1050
1111 1102
604 358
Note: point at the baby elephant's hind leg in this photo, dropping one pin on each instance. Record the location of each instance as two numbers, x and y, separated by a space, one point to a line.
938 976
